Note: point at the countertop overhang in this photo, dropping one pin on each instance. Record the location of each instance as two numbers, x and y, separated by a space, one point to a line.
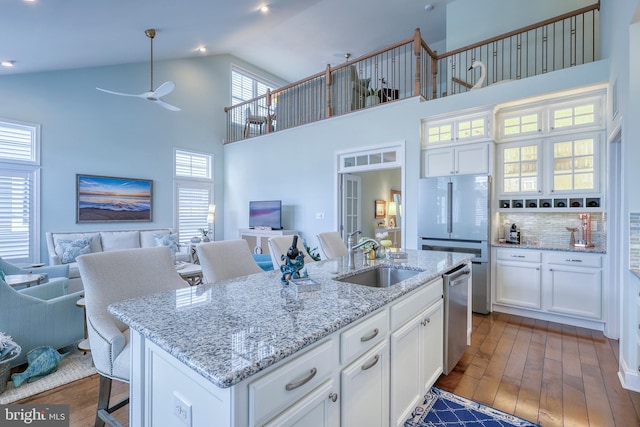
231 330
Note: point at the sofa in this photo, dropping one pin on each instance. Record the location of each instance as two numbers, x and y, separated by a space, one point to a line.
64 247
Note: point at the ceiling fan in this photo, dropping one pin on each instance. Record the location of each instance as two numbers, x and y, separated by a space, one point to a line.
152 95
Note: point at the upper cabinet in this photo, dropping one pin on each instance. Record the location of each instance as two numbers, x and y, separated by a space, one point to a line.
550 155
458 144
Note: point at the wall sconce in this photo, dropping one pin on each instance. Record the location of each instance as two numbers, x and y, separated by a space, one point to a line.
211 219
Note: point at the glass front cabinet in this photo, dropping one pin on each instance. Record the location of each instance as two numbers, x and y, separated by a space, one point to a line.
551 156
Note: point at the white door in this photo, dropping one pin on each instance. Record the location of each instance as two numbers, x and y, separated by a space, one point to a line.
351 203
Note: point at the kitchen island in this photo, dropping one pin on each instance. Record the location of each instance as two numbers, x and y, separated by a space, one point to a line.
251 351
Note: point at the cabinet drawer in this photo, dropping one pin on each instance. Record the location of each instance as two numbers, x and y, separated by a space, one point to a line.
358 339
411 305
279 389
519 255
575 259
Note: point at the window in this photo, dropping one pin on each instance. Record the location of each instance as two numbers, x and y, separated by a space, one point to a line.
193 193
19 191
573 164
246 86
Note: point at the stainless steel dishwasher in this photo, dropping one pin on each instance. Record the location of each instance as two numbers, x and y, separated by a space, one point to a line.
456 302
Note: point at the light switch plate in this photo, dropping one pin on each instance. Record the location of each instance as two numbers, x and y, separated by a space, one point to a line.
182 409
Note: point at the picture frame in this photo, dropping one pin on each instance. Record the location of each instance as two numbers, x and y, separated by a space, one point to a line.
381 209
113 199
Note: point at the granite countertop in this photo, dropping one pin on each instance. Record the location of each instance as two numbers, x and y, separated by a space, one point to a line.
231 330
551 247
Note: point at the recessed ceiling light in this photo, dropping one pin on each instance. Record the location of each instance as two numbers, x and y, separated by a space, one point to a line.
264 9
428 7
8 63
202 49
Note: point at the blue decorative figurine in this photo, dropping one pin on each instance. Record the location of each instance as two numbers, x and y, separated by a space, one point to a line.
293 263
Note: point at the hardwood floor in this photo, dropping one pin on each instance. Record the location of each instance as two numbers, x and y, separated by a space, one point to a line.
552 374
548 373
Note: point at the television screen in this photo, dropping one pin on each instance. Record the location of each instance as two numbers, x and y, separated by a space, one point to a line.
265 214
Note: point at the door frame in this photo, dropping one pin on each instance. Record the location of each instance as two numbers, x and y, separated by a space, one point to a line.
365 159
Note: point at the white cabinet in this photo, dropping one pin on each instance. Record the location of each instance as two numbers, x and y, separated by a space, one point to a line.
365 389
560 286
320 408
462 159
517 278
258 239
574 284
415 363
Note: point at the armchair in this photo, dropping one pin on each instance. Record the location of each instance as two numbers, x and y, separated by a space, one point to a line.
348 91
52 273
41 315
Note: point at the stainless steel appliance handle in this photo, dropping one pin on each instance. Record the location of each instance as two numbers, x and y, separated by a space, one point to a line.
459 276
449 207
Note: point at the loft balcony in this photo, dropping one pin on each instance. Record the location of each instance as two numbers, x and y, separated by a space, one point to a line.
409 68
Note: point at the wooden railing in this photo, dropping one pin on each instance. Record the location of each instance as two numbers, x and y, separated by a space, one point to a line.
410 68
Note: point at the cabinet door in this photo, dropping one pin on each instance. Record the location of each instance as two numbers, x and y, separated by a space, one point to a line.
575 291
416 361
518 283
320 408
439 162
365 389
432 333
519 167
472 158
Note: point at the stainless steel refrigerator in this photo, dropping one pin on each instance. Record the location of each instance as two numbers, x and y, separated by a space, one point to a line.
453 216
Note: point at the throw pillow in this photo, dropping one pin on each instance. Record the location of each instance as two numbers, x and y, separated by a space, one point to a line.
169 240
71 249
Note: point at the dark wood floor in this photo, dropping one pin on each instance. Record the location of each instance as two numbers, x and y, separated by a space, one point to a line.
544 372
552 374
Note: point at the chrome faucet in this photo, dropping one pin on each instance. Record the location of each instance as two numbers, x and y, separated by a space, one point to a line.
351 247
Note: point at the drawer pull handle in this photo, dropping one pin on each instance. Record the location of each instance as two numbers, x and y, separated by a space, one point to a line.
425 321
370 364
295 385
517 256
572 260
333 397
371 336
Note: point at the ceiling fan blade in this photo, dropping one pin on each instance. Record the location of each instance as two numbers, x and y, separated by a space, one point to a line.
164 89
142 95
167 105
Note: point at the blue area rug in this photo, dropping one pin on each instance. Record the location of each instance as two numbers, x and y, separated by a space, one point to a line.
441 408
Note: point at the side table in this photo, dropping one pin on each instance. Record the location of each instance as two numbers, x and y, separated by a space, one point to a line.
23 279
191 273
84 344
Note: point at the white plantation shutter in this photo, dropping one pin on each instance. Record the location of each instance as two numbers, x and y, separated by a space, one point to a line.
193 165
19 173
193 201
193 193
246 86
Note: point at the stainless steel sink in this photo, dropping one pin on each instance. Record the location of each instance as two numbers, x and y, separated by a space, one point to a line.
380 277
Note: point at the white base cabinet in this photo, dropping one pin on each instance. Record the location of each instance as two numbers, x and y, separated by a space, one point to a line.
415 366
564 287
370 373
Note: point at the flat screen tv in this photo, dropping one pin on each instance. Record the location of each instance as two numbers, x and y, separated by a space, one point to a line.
265 213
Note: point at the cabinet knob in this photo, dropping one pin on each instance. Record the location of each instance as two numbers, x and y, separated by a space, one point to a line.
426 321
333 397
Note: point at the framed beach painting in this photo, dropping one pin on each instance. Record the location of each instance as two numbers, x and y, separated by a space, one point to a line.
110 199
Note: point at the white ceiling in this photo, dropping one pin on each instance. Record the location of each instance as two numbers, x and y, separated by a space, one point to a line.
297 38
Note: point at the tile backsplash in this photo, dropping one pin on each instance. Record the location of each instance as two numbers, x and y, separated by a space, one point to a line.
634 241
550 228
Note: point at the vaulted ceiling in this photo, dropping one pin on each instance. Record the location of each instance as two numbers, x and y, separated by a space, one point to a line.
294 39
